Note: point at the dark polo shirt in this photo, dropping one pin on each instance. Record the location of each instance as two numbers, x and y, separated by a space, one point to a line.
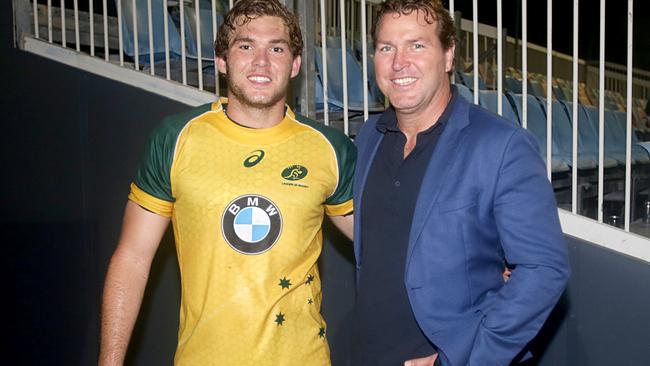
386 332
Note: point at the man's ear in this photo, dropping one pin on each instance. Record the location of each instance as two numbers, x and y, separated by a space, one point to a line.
449 58
221 64
295 67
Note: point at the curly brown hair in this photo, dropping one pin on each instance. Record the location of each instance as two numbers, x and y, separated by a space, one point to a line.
433 11
243 11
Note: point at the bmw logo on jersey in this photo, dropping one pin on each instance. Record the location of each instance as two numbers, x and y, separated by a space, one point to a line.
251 224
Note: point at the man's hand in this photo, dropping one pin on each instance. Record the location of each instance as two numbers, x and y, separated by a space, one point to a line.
506 274
425 361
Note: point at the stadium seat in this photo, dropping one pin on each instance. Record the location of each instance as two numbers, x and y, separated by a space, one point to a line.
639 151
535 88
319 99
568 93
358 48
335 42
335 81
488 99
563 137
207 37
559 93
468 80
537 126
464 92
615 137
143 32
374 90
512 85
588 136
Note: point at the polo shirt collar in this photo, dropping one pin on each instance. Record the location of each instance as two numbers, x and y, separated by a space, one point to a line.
388 120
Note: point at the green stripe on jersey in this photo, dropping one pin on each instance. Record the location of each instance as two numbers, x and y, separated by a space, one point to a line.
153 176
346 158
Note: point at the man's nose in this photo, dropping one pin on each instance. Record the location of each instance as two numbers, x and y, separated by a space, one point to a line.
261 57
400 60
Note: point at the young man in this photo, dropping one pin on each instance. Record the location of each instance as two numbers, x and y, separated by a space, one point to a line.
445 194
245 182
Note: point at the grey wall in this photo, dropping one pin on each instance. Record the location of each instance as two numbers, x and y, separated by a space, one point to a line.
603 317
71 143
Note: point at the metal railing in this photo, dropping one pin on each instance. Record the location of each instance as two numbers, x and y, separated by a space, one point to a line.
161 37
169 40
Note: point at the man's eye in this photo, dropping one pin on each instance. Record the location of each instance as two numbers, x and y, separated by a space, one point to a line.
245 47
418 46
385 48
277 49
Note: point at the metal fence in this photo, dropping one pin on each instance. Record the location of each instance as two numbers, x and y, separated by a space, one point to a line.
173 40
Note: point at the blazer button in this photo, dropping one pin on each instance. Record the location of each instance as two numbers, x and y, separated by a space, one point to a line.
397 183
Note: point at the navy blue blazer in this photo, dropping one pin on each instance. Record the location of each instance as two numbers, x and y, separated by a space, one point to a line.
485 198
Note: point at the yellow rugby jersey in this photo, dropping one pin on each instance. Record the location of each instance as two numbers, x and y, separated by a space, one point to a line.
247 206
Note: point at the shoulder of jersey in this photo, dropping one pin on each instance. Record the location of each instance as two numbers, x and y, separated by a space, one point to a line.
333 136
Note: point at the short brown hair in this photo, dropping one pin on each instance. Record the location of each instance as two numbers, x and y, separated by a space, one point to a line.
433 11
243 11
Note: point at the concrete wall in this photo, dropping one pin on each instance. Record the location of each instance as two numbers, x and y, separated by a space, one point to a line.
602 318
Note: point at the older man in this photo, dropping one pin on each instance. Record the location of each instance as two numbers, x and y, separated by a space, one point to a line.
446 193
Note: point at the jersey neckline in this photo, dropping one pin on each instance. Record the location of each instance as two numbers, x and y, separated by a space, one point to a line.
253 136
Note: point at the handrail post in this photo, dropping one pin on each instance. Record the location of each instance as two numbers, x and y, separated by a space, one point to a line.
306 89
22 21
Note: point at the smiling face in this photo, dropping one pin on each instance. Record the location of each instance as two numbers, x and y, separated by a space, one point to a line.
259 63
411 65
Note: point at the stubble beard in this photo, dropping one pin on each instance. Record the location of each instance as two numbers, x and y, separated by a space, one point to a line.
265 103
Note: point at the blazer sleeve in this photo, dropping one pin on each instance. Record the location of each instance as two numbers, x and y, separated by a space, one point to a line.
527 222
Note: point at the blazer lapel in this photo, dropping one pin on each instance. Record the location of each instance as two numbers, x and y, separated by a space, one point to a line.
367 156
436 173
364 160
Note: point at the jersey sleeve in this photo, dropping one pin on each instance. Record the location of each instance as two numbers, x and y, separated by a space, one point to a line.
340 202
151 188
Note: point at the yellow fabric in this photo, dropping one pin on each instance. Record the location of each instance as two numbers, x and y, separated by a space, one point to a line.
149 202
339 210
238 308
